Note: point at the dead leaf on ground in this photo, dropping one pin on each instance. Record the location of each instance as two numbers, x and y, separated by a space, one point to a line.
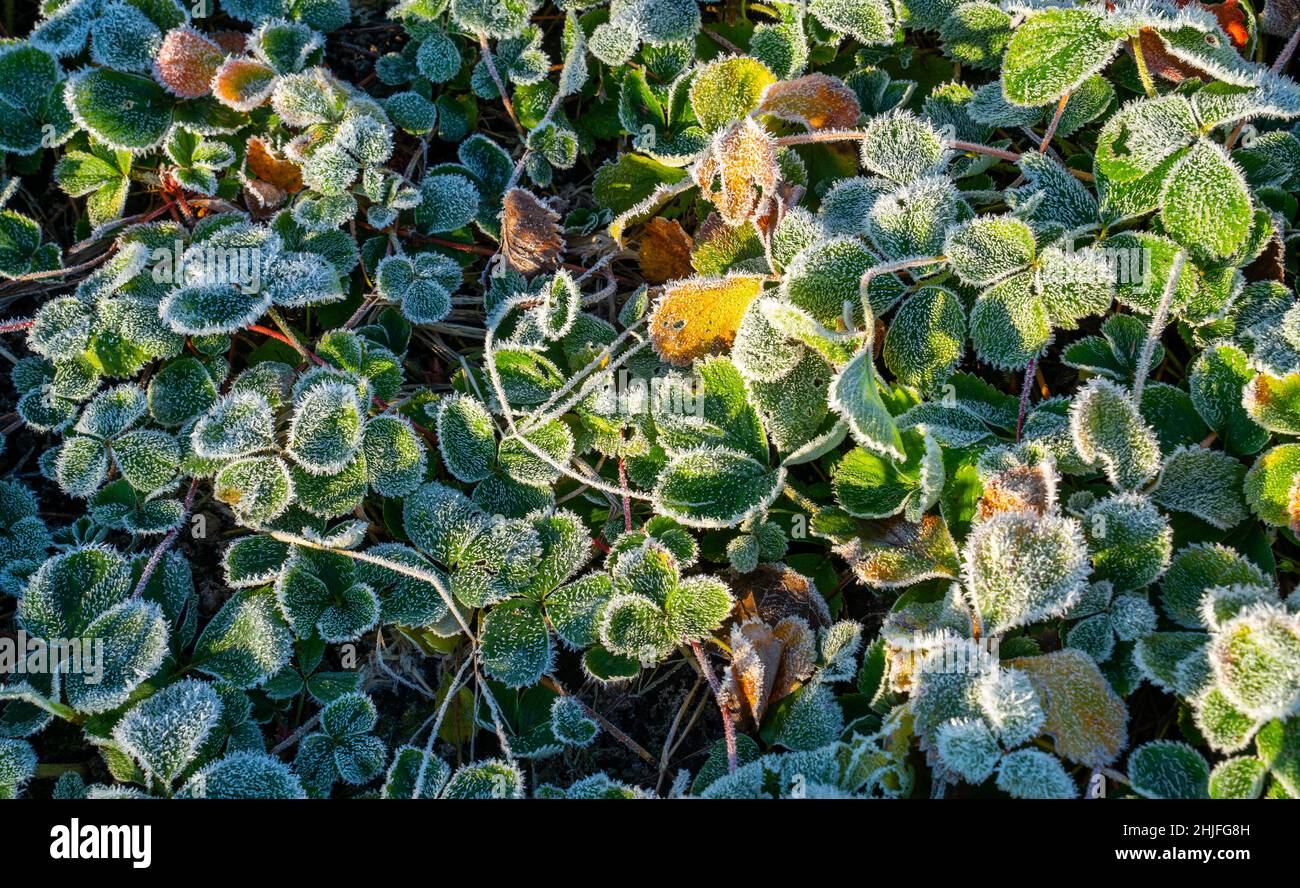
263 163
530 233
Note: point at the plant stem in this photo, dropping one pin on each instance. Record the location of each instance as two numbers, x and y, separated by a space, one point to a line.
1056 121
1026 386
1158 322
500 84
1144 73
167 541
728 727
605 723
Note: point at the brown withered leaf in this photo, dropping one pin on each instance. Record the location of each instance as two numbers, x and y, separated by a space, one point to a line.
699 316
773 592
738 174
755 659
767 664
818 101
665 251
798 656
530 233
265 165
1024 487
1164 63
262 197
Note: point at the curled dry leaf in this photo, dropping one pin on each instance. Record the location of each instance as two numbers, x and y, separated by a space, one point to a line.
265 164
818 101
767 664
772 592
530 233
739 174
699 316
665 251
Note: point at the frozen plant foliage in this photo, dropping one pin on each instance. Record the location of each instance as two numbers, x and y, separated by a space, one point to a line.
432 399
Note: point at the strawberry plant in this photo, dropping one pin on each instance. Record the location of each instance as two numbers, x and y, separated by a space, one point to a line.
497 398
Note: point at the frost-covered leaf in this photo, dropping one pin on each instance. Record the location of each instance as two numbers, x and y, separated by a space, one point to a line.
1206 483
716 487
1167 769
1085 717
1108 430
1053 52
1019 567
165 732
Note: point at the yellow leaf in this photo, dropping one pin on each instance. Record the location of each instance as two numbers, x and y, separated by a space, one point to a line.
1085 716
699 316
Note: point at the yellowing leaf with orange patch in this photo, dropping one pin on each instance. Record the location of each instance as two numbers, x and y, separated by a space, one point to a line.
699 316
738 174
243 84
818 101
1086 718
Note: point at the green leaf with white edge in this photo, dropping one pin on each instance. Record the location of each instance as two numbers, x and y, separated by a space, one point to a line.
1053 52
247 641
1020 567
987 249
1216 382
716 487
466 438
1205 483
123 111
134 638
1009 325
165 733
1168 769
1142 135
855 395
1109 432
1205 204
515 643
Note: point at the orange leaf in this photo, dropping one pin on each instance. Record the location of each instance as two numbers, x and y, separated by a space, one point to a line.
186 62
283 174
665 251
530 233
818 101
699 316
